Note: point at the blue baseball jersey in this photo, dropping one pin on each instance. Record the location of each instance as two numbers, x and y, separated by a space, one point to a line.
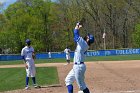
81 48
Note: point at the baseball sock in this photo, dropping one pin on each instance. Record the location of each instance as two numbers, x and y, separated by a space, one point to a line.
86 90
34 81
70 88
68 61
27 81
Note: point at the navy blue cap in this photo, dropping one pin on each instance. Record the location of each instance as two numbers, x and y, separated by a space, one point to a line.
28 41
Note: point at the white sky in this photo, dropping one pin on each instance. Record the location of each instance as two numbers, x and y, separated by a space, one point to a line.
2 1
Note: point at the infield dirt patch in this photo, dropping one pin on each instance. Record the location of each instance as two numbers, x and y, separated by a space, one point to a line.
101 77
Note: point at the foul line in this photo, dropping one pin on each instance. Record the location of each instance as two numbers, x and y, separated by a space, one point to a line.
128 91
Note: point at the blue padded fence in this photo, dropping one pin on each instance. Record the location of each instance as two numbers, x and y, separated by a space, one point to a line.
113 52
89 53
9 57
53 55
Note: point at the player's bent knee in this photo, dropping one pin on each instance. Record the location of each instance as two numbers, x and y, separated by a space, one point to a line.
28 75
32 75
67 82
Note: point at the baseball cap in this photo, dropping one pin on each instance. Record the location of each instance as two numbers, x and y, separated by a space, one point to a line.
28 41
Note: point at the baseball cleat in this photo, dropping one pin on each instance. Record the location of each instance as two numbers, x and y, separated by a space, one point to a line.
26 88
36 86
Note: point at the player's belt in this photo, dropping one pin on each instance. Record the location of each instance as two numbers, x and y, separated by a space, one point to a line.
79 63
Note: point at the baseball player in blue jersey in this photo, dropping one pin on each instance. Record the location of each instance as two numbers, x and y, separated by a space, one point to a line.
79 68
28 56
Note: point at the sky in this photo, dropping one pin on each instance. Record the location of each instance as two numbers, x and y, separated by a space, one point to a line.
7 2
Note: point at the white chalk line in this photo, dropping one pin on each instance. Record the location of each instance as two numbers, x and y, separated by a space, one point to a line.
128 91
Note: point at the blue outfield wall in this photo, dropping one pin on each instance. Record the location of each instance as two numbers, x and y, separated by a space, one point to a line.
9 57
89 53
114 52
53 55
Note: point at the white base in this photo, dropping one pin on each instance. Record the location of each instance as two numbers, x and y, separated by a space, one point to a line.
80 92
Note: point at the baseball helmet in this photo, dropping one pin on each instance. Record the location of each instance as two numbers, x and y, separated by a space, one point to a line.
28 41
91 38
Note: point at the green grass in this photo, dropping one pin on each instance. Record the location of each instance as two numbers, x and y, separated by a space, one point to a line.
114 58
14 78
37 61
93 58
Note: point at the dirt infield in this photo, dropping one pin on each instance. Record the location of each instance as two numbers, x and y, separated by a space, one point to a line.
101 77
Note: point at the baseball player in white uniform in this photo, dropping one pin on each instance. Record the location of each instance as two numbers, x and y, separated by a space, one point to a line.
79 68
67 51
49 54
28 56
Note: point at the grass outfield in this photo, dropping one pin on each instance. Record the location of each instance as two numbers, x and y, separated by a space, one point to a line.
114 58
14 78
60 60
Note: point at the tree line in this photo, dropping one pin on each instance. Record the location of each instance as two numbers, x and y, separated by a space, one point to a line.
50 24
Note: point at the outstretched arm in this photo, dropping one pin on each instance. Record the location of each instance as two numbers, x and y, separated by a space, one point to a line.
76 32
76 35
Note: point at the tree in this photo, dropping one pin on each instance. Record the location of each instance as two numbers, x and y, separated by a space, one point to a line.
29 19
136 36
50 24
